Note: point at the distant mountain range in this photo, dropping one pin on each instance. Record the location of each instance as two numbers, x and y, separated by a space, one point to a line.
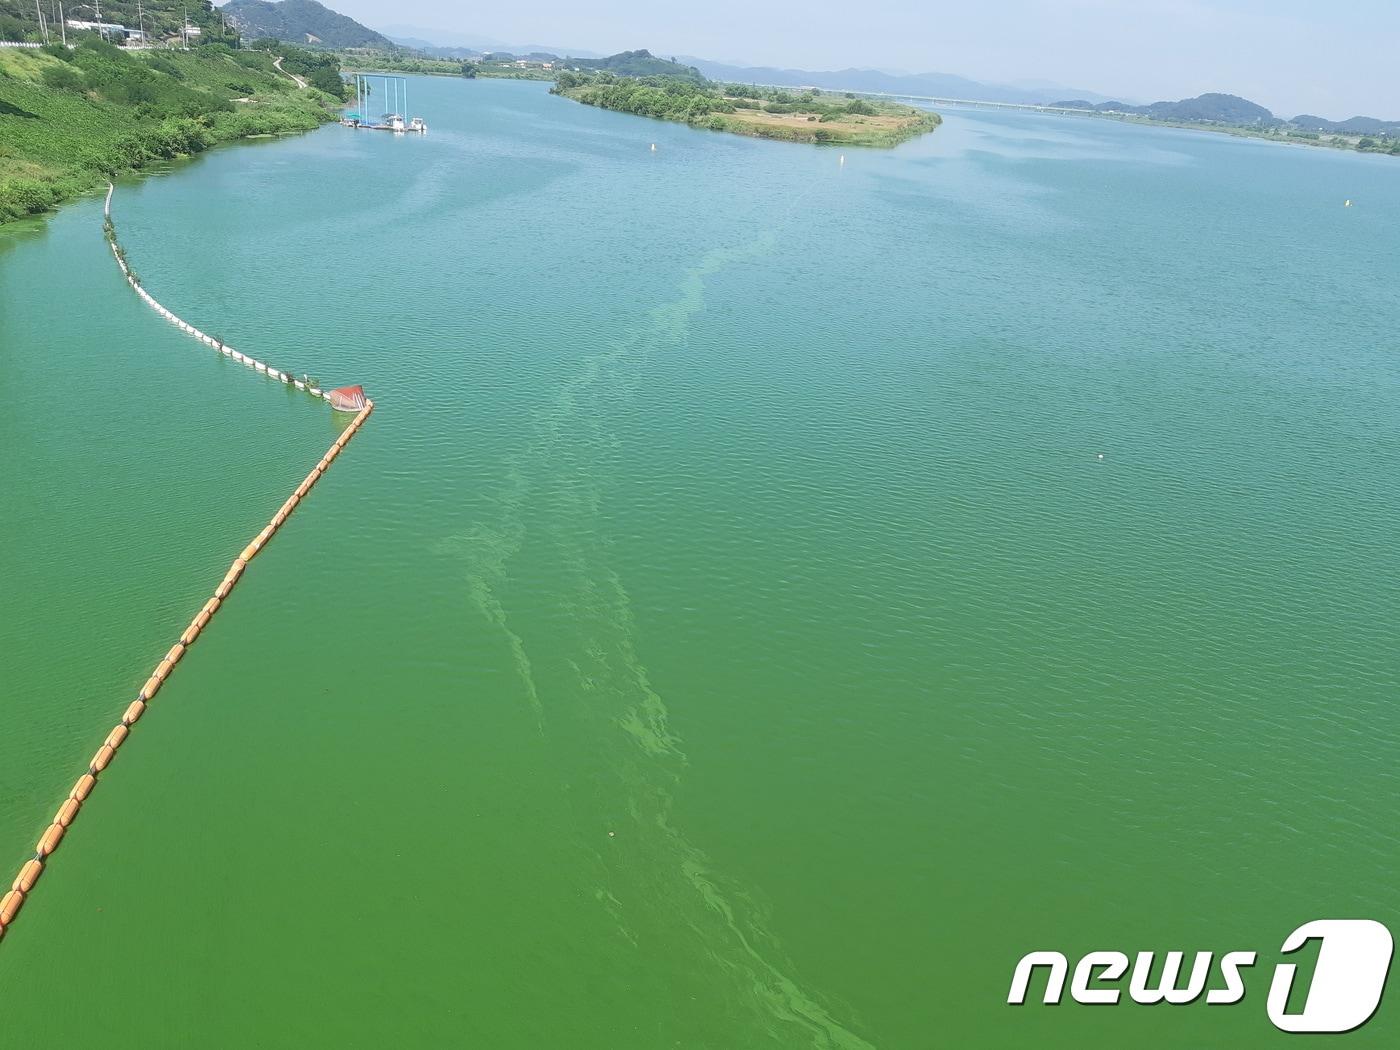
461 44
301 22
936 85
941 85
433 50
309 22
1231 109
1350 126
1223 109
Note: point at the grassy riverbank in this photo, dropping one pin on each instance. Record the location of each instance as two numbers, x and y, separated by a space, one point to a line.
774 113
72 118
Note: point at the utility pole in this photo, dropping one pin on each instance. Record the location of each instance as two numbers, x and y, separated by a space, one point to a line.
62 24
43 28
141 23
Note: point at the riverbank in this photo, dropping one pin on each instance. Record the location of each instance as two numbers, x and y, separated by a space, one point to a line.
70 119
1348 142
823 118
1288 134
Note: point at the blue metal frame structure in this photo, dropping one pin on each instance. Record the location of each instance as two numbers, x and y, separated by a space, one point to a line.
395 93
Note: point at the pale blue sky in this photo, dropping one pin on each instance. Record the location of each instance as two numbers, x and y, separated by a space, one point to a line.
1333 58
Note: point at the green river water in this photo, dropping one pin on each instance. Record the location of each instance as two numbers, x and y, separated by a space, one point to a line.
724 633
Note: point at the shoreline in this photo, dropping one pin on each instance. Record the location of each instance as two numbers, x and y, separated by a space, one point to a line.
1348 144
65 141
1232 131
156 169
69 194
811 117
75 191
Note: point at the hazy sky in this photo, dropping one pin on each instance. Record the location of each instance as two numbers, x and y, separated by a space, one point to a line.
1332 58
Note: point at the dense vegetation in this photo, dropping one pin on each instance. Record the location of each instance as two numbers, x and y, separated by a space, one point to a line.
668 99
72 118
320 69
302 22
810 116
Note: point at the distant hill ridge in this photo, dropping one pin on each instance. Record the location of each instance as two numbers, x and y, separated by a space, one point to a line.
302 22
1225 109
309 22
935 85
1350 126
640 63
1231 109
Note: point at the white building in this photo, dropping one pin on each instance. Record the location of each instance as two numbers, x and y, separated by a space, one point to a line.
96 27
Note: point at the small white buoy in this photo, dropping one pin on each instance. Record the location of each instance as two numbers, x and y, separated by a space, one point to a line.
612 834
843 160
1347 204
1100 455
653 147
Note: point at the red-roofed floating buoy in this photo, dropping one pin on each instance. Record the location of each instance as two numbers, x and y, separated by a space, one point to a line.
347 398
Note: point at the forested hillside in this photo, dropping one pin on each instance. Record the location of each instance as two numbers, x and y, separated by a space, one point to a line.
302 22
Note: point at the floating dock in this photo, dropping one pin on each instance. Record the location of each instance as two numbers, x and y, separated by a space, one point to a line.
389 122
